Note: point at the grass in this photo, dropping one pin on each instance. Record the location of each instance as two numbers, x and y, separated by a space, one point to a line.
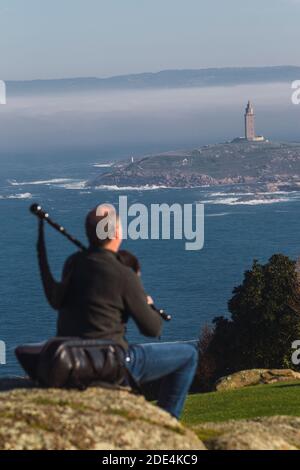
244 403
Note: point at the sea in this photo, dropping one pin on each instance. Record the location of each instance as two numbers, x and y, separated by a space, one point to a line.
192 286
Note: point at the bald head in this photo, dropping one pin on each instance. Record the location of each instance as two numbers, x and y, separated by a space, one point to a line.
103 227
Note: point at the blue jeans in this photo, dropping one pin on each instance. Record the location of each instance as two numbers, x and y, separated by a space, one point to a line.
175 363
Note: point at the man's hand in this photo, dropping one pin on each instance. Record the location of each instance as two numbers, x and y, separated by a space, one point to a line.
149 300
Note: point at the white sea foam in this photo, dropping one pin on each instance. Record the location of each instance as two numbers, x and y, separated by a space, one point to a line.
220 214
254 193
234 201
17 196
226 200
103 165
257 202
130 188
64 183
40 182
74 184
218 194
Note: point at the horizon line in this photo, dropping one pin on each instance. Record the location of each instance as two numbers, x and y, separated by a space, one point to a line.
135 74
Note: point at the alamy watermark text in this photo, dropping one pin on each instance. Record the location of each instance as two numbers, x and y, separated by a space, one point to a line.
2 353
2 92
157 222
296 93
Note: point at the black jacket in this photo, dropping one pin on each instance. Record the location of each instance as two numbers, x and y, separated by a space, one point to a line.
96 297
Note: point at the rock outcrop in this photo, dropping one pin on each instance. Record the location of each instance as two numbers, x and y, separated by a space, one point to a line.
246 378
98 418
270 433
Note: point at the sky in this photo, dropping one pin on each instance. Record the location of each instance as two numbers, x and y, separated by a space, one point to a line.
96 38
83 38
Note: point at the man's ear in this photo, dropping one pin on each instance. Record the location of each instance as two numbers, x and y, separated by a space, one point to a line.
118 230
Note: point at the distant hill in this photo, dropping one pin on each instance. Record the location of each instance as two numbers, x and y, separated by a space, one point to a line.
164 79
228 163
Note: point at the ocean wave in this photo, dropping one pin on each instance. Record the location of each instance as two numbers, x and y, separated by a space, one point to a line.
17 196
218 214
235 201
257 202
39 182
130 188
102 165
64 183
254 193
222 194
73 185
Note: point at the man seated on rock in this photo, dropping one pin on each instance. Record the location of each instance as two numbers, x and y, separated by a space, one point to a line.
95 299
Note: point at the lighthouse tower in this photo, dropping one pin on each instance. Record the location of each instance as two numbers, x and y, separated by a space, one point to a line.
249 122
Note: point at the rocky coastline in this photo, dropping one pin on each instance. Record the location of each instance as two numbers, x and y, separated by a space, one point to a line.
271 165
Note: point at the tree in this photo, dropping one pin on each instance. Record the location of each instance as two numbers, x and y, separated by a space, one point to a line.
264 321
